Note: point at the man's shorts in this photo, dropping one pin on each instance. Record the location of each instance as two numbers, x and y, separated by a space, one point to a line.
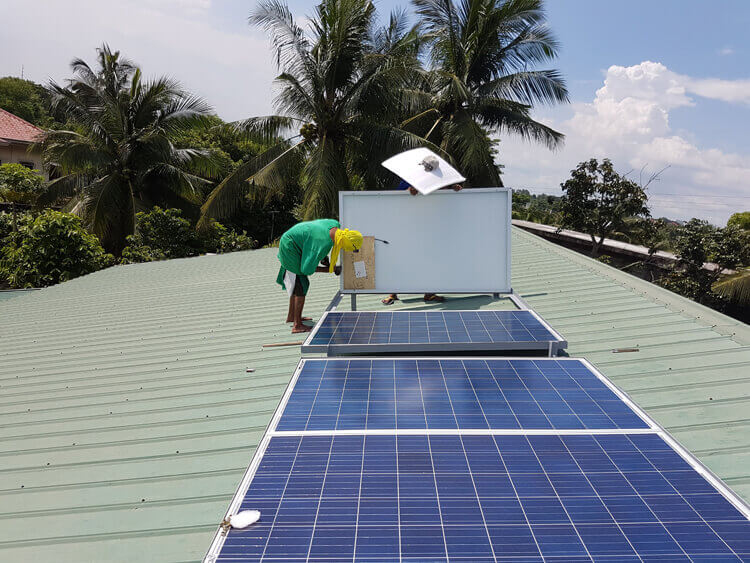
294 284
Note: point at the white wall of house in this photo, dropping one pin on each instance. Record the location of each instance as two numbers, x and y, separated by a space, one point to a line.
20 154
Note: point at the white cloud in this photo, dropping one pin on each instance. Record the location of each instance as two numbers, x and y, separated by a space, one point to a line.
232 70
733 91
628 121
726 51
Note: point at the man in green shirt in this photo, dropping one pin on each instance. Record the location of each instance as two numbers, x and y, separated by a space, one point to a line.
301 250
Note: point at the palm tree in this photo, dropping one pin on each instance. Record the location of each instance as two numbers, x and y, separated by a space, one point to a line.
735 287
338 100
119 157
481 82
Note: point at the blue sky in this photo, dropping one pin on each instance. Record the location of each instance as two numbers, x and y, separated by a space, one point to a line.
653 83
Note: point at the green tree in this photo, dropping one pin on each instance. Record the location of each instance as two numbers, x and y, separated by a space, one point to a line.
216 136
25 99
597 201
338 93
698 243
50 248
19 184
120 155
740 220
481 80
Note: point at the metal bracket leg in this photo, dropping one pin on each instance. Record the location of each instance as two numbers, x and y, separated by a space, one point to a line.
354 301
334 302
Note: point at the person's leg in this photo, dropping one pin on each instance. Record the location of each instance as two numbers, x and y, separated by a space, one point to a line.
432 297
299 304
300 290
290 314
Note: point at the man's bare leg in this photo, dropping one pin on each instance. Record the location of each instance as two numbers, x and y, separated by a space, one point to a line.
290 314
299 303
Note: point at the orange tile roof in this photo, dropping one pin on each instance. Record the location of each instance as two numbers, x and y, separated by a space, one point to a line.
13 128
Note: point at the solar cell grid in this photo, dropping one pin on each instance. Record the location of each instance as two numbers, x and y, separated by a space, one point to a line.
484 498
395 330
377 394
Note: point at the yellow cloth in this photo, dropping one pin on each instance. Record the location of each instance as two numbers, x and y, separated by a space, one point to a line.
347 240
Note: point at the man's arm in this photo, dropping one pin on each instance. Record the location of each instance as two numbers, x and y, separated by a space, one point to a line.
326 265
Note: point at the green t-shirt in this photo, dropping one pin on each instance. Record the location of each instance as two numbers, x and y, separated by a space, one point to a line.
303 246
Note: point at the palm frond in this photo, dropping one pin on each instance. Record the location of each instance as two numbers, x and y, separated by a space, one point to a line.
109 211
59 188
266 128
288 39
472 149
735 287
226 197
323 176
514 118
528 87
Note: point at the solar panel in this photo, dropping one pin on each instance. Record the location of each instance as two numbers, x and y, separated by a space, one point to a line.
452 393
352 332
385 498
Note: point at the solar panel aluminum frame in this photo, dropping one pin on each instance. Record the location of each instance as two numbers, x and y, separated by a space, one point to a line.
552 347
655 428
512 295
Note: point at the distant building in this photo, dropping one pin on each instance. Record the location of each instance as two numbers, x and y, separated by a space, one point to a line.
16 137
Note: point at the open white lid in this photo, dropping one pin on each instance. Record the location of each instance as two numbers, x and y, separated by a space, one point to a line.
408 165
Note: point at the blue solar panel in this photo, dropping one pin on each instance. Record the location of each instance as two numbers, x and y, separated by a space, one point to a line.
353 332
359 394
478 498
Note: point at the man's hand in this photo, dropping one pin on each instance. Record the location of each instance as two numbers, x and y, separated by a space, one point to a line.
457 187
413 190
337 269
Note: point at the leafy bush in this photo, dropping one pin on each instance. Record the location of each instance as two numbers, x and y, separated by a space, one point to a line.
19 184
6 227
233 241
160 234
48 249
163 233
217 238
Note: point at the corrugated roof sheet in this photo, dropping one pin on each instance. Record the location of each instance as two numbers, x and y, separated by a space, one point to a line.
128 417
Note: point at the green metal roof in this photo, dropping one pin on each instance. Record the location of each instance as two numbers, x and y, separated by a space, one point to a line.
128 417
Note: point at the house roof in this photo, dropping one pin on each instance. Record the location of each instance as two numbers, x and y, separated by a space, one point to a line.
129 417
13 128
